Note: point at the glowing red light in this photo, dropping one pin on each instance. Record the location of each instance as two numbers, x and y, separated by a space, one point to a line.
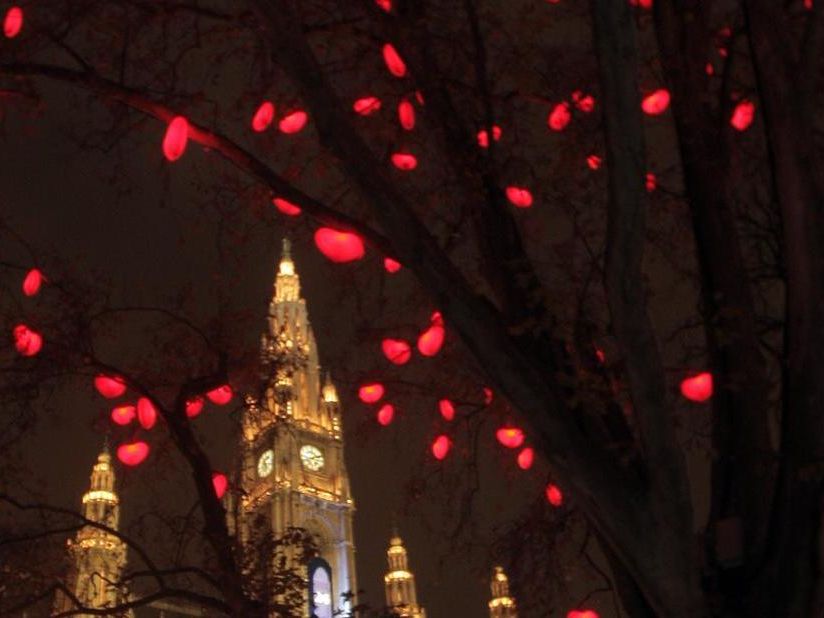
808 4
594 162
386 5
510 437
525 458
709 69
589 613
584 102
13 22
293 122
488 395
133 453
743 115
520 197
109 386
263 117
221 395
146 413
554 495
397 351
446 409
370 393
483 136
698 388
393 61
650 182
338 246
220 483
366 105
431 340
404 161
441 446
599 354
386 414
391 266
32 282
656 102
26 341
176 138
286 207
123 415
559 117
644 4
406 115
194 407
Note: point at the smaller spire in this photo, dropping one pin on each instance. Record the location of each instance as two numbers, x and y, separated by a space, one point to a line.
330 393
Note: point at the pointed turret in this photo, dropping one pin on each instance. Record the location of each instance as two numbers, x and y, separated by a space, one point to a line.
401 595
501 605
98 555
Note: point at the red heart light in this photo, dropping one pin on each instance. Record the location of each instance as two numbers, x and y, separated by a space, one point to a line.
584 613
483 136
743 115
518 196
293 122
525 458
370 393
554 495
338 246
441 446
404 161
393 60
510 437
366 105
32 282
176 138
431 340
220 395
220 483
698 388
109 386
656 102
13 22
194 407
263 117
133 453
386 414
446 409
406 115
146 413
123 415
559 117
26 341
286 207
397 351
391 266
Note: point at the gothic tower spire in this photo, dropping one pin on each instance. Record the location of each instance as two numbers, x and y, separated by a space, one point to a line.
399 581
501 605
294 474
98 556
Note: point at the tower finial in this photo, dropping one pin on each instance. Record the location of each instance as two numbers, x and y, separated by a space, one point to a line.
286 252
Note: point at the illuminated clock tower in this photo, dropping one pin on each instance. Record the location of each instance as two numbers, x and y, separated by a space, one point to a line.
293 472
98 556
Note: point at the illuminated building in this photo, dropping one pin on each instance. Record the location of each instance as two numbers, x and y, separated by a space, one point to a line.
501 605
399 581
293 473
97 555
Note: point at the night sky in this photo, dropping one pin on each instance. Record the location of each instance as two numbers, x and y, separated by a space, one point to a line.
150 234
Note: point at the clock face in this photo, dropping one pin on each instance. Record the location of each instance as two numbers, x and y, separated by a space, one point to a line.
311 457
265 463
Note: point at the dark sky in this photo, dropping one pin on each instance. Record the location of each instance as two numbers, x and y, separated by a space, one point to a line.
159 232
